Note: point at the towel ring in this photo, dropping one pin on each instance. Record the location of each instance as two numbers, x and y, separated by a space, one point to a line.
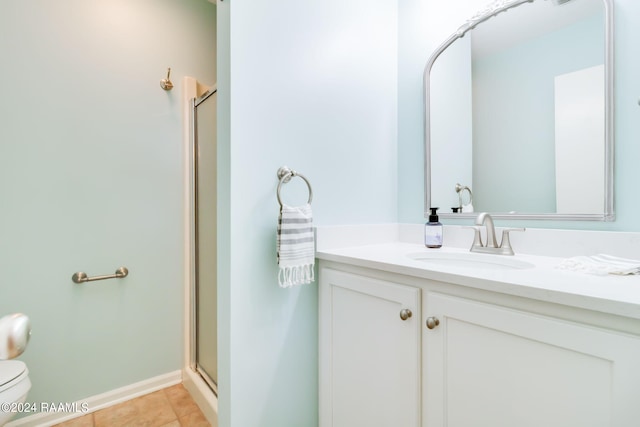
460 189
284 175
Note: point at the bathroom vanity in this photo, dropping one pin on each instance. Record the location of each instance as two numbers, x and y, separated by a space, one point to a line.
418 337
411 336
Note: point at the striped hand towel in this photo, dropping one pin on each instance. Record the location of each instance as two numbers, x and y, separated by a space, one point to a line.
295 246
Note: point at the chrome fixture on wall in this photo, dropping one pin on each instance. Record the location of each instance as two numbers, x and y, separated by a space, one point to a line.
81 277
460 189
284 175
166 83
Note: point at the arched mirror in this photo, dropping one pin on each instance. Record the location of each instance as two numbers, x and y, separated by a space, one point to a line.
519 113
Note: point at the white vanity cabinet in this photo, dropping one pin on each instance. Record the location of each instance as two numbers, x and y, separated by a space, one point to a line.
489 365
369 352
468 358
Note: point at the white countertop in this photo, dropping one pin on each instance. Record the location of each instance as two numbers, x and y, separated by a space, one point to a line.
612 294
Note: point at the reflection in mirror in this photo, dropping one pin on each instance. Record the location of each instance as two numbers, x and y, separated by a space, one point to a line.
518 108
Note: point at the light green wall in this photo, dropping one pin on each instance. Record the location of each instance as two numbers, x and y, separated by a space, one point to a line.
425 24
503 102
312 86
91 179
451 90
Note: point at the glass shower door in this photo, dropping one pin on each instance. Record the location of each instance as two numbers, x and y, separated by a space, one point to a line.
204 329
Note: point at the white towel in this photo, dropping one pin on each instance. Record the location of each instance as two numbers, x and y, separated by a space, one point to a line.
601 264
295 246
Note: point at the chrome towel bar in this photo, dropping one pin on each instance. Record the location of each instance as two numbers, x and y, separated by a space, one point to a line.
81 277
284 175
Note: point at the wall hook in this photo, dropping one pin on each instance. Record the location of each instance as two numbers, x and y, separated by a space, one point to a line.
166 83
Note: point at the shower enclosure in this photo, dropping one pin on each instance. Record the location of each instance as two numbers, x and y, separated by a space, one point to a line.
204 354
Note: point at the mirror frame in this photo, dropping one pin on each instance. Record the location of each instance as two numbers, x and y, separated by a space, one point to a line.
491 10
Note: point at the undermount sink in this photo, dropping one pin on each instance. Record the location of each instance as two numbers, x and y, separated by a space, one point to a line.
471 260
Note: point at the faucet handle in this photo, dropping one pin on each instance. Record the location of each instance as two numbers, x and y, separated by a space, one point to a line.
477 237
505 244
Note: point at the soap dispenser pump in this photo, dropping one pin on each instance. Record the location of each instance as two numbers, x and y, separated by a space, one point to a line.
433 230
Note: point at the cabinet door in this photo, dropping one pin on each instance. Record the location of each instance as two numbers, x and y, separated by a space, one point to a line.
488 365
369 356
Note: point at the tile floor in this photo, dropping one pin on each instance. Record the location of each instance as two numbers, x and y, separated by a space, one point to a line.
169 407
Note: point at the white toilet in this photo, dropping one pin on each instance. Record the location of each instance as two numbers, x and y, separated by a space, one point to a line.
14 386
15 330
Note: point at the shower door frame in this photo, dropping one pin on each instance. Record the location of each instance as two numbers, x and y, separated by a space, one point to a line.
193 327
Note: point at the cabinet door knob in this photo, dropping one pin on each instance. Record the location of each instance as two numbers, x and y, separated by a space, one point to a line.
432 322
405 313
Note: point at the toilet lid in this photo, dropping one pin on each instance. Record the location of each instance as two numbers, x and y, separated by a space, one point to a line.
10 370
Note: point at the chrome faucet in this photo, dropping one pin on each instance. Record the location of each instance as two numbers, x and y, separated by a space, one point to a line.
484 219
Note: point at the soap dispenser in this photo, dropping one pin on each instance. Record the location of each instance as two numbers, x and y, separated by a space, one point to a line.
433 230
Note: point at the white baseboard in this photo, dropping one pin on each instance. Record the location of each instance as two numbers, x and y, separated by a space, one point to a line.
100 401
